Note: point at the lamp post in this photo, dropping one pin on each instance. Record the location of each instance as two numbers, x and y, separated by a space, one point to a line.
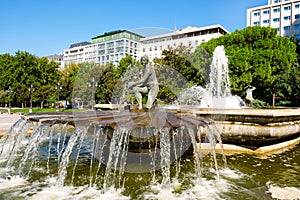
9 102
58 88
31 90
93 84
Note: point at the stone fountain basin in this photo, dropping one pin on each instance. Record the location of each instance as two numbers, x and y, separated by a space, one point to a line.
253 127
145 126
244 127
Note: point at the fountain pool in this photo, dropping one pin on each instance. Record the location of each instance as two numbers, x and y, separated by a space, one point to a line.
46 156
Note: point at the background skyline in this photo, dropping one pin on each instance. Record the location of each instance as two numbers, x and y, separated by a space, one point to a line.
49 27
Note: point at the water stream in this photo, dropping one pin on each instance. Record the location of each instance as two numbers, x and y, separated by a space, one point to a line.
58 162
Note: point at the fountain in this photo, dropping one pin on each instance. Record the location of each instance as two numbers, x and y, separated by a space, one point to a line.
239 125
218 91
99 150
143 154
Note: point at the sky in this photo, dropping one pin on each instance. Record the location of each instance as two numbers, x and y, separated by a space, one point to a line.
48 27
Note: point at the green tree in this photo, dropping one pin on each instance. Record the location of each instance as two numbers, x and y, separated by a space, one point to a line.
45 81
176 71
23 70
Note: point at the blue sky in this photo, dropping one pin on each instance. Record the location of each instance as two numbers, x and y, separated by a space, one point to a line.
47 27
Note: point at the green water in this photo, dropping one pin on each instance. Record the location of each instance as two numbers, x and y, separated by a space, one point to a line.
244 177
35 171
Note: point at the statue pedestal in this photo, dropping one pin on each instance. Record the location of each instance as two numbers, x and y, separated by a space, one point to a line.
139 110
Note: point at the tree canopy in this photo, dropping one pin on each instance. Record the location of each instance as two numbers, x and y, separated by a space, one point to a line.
23 70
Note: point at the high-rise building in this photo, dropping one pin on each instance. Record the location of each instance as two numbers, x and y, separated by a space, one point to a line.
284 15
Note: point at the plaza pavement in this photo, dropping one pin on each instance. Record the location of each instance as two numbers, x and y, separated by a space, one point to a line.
6 121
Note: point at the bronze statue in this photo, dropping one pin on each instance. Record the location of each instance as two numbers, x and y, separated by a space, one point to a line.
147 84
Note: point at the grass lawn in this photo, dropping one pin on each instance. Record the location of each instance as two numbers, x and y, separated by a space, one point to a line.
34 110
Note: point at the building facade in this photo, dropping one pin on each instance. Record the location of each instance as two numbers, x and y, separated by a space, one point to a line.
56 58
110 47
284 15
190 36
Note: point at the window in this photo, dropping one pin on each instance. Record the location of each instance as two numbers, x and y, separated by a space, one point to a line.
266 12
277 1
256 23
297 26
256 14
286 8
276 20
276 10
297 16
266 21
286 28
297 6
286 18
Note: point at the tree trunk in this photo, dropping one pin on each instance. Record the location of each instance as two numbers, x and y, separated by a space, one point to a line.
273 100
42 104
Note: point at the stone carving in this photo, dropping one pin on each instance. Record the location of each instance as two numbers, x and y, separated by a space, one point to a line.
249 97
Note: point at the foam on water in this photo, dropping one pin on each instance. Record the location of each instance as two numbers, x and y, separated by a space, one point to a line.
11 183
287 193
83 192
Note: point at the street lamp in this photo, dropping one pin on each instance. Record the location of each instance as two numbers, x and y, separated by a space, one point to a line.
9 102
58 88
93 84
31 90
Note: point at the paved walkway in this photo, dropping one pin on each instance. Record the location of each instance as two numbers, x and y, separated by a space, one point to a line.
6 121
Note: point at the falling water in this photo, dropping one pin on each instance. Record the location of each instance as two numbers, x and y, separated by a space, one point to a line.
54 156
219 83
218 91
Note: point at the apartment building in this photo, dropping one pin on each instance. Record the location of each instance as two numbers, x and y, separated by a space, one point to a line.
284 15
58 58
189 36
110 47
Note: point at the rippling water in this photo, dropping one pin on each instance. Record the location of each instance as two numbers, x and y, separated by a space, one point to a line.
244 177
37 171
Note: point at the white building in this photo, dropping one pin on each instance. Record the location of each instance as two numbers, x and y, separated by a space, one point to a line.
284 15
190 36
58 58
110 47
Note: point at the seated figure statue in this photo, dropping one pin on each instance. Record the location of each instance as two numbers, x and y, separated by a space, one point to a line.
147 84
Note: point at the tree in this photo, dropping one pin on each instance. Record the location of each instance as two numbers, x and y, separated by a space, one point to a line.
176 71
23 70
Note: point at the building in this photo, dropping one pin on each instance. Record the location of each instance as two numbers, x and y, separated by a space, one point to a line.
75 53
190 36
284 15
110 47
56 58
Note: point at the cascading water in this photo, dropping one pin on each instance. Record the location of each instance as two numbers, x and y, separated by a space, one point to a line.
218 91
94 160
